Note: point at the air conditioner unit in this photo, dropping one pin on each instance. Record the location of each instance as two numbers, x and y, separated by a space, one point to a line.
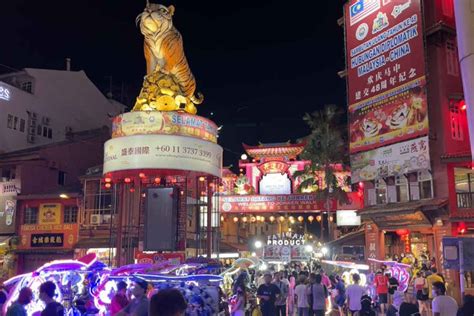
31 139
96 219
46 120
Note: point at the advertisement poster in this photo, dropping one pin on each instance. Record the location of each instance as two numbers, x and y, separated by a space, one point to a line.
164 152
48 236
386 72
50 214
285 253
396 159
167 123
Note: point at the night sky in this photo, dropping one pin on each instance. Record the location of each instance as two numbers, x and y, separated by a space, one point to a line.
260 64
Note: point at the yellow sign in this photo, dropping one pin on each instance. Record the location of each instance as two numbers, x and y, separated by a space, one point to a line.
50 214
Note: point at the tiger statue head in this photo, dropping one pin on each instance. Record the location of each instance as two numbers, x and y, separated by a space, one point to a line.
155 20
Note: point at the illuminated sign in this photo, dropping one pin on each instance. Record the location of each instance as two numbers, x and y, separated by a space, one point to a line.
5 94
50 214
47 240
273 167
275 183
347 218
285 239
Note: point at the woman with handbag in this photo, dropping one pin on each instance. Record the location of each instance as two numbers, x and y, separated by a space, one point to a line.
421 288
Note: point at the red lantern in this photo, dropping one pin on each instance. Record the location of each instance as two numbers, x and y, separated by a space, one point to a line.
108 180
127 180
402 232
108 185
462 228
141 175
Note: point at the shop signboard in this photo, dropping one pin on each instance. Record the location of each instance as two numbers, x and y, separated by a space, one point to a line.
386 72
285 253
47 240
347 218
58 236
452 258
50 214
8 193
162 152
171 257
288 203
396 159
372 244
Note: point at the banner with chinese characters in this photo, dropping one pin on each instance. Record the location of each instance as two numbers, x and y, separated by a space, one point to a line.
50 214
386 72
48 236
396 159
47 240
162 152
285 203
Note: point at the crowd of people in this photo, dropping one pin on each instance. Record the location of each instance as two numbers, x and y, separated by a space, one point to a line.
167 302
305 293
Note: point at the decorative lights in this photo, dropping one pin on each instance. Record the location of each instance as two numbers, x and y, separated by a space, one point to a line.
319 218
127 180
235 219
311 218
272 219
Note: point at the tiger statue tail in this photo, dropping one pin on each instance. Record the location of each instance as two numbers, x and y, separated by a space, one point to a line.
197 99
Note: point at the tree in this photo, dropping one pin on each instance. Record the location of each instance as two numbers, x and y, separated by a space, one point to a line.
326 148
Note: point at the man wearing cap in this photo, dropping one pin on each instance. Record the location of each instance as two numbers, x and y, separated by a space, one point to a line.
139 305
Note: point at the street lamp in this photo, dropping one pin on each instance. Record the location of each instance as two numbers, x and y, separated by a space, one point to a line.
308 248
258 244
243 157
324 250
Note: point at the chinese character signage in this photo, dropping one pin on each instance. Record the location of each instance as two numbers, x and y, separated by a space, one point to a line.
273 167
47 240
386 72
286 203
50 214
391 160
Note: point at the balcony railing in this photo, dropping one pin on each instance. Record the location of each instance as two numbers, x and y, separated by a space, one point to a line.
465 199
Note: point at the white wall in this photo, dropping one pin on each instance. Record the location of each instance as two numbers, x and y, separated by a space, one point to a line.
68 98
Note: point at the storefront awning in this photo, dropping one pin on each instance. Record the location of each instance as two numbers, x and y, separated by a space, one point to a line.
353 238
402 215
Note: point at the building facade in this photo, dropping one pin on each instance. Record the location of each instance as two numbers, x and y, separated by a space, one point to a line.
41 197
41 106
409 136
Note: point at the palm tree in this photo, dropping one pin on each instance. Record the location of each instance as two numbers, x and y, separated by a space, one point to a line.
326 148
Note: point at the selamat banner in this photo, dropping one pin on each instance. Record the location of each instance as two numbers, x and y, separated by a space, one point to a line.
386 72
162 152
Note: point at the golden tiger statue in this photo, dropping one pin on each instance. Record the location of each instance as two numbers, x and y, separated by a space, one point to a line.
169 84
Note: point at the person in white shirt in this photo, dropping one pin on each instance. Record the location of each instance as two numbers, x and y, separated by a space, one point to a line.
354 293
301 293
442 305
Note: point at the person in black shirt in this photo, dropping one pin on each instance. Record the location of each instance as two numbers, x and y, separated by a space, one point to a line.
267 293
47 293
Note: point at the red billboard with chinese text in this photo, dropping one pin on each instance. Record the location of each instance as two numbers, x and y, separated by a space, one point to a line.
386 72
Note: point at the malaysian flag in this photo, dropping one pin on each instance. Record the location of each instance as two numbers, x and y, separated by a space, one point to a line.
362 9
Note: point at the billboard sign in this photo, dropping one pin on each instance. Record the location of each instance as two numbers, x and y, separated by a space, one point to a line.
452 253
347 218
393 160
386 72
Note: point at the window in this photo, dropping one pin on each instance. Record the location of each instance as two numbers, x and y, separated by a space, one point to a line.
61 178
401 184
70 214
98 205
261 230
464 185
22 125
381 191
27 86
452 63
455 121
39 130
8 173
10 121
50 133
45 131
425 183
15 122
31 215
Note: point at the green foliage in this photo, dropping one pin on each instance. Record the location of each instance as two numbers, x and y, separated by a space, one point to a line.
326 147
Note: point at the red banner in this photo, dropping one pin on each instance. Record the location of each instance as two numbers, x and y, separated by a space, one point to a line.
386 72
285 203
172 257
